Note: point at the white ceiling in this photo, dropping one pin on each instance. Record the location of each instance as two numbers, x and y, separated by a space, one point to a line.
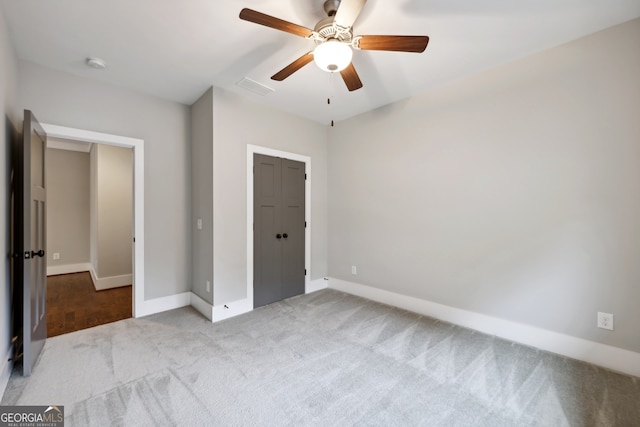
177 49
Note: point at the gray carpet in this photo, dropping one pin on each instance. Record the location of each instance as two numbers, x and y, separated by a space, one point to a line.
325 358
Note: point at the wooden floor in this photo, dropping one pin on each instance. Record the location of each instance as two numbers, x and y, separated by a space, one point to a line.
74 304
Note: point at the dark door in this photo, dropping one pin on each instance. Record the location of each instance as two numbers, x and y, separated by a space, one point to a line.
279 229
30 242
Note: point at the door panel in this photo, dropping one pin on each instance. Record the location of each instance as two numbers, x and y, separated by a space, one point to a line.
268 180
267 257
293 227
31 226
38 272
267 248
279 229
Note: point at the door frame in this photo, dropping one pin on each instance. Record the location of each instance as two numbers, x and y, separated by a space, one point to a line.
137 146
255 149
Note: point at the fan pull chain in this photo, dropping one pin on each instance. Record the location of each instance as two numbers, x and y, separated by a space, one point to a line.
331 90
329 103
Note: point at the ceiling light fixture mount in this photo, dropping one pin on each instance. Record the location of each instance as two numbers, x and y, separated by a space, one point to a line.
96 63
331 7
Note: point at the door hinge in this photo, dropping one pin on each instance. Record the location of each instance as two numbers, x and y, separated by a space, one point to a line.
305 271
134 240
305 176
305 224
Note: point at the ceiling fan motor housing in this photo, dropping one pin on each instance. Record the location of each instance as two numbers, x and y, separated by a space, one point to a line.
328 30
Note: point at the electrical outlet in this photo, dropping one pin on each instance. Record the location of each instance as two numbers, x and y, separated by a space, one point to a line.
354 270
208 286
605 321
56 255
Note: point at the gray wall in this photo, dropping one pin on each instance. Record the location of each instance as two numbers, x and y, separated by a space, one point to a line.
514 193
113 189
239 121
93 207
67 206
202 194
66 100
11 121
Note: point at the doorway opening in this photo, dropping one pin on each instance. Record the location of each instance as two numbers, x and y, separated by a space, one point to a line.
137 148
89 235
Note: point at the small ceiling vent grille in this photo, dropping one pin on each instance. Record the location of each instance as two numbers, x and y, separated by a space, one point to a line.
254 86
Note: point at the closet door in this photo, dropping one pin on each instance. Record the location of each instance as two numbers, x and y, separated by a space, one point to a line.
292 225
278 246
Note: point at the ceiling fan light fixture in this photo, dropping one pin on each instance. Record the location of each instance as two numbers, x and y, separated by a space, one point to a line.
332 55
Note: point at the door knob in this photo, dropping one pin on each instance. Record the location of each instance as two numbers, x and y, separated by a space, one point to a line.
40 253
285 235
278 236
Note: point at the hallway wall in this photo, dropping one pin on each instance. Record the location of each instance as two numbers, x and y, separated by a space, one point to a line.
67 175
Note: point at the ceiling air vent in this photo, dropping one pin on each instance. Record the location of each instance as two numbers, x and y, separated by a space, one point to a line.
254 86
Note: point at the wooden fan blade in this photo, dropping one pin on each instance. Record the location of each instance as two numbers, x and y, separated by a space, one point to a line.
348 12
293 67
394 43
350 77
272 22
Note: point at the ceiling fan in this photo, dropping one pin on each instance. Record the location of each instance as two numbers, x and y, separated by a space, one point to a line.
335 40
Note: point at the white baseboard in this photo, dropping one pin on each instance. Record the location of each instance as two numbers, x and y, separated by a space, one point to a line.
202 306
158 305
5 370
231 309
235 308
102 283
613 358
316 285
53 270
